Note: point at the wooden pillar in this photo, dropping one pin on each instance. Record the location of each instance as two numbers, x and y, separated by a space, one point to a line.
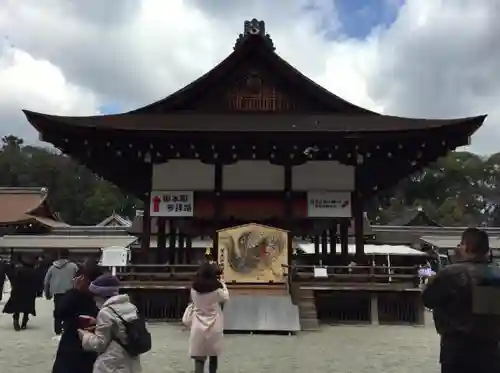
324 247
218 201
357 213
181 250
374 308
316 249
289 211
161 243
146 230
172 241
189 246
146 217
344 238
333 239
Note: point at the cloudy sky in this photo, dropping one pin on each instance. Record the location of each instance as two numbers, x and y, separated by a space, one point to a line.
418 58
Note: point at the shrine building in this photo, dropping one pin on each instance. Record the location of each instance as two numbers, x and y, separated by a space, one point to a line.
253 141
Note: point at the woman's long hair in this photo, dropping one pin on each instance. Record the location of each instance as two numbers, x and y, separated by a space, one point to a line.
206 279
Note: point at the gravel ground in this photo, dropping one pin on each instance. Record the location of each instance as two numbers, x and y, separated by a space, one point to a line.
345 349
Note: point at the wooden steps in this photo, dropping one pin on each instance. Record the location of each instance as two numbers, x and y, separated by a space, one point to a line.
304 298
257 289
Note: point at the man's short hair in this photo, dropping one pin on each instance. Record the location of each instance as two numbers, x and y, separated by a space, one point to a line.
476 240
64 253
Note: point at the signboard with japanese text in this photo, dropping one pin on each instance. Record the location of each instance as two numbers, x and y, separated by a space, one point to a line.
115 256
329 204
174 204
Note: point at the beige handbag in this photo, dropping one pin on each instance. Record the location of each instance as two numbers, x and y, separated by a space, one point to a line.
187 317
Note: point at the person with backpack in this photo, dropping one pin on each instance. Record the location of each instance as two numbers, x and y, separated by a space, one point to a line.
58 280
120 335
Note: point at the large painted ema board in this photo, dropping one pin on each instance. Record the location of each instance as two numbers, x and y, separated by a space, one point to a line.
253 253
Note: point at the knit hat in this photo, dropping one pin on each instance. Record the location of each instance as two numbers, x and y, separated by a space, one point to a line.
105 286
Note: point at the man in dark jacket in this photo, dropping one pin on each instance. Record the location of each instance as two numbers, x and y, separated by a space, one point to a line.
460 296
58 280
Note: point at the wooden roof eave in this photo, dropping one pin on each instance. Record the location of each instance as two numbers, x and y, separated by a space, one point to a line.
282 123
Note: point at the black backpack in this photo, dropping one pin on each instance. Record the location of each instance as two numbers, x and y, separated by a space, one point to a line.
138 338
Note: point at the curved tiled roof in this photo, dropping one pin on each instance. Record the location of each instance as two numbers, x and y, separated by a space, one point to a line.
23 205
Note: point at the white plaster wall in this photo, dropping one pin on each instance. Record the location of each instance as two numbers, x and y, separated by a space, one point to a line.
183 175
253 175
323 175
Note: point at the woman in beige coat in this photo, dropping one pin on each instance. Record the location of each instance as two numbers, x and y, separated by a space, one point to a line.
112 356
208 294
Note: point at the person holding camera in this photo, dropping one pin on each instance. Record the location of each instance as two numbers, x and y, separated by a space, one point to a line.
465 317
208 294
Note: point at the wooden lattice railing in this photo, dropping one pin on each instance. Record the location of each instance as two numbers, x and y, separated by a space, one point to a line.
185 273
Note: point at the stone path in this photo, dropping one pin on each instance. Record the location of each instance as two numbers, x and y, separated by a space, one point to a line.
346 349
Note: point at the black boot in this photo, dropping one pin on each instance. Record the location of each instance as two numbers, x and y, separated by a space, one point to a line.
15 320
212 364
24 323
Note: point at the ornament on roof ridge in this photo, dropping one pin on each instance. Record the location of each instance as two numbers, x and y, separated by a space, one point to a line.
254 28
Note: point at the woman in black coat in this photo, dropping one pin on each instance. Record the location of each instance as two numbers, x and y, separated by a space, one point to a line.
76 302
3 274
23 279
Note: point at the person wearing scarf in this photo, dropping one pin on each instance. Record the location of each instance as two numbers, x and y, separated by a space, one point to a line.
208 293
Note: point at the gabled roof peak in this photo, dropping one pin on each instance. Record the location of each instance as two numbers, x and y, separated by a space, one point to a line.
254 29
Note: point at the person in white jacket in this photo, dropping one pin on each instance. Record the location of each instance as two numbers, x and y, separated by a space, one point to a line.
110 333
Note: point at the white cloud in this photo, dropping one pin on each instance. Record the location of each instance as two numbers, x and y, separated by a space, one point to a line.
36 85
439 58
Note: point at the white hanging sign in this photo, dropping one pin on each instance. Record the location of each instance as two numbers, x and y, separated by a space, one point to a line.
329 204
175 204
